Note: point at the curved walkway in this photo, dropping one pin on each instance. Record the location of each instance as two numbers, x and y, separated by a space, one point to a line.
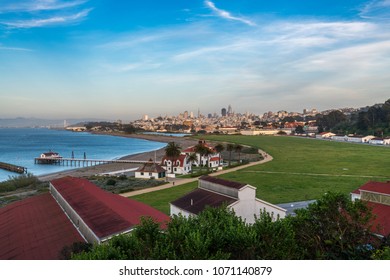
178 181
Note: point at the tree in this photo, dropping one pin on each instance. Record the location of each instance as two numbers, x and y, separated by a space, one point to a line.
172 151
334 227
219 149
201 150
238 148
299 130
230 148
191 159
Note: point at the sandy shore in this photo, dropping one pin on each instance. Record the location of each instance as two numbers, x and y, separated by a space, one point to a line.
183 142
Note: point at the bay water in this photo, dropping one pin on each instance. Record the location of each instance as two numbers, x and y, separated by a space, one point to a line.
19 146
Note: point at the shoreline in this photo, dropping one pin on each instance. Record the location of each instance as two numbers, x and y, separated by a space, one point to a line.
158 154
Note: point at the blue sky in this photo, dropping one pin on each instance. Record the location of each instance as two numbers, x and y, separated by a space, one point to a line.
122 59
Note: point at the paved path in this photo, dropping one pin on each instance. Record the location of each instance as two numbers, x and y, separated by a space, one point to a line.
179 181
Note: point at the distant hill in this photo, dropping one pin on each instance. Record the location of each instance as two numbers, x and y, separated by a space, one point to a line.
35 122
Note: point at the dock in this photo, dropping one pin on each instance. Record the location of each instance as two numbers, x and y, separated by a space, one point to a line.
13 168
81 162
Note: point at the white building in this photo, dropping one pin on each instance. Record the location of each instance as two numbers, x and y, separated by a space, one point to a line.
179 165
150 170
359 139
213 160
380 141
339 138
215 192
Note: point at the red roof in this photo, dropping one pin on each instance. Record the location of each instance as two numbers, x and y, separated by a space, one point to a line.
214 159
201 142
377 187
382 213
181 158
104 213
35 229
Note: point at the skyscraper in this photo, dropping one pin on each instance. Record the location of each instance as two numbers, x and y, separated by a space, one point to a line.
230 110
223 112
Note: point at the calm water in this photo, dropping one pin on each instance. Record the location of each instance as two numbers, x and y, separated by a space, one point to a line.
21 146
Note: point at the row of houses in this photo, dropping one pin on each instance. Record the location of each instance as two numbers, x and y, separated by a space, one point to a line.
369 139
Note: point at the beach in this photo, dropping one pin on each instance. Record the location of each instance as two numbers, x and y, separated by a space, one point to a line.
183 142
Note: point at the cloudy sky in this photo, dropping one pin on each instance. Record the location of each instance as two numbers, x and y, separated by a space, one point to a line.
122 59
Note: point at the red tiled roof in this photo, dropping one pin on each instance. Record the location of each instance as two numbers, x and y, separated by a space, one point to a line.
377 187
214 159
35 229
226 183
181 160
382 213
104 213
197 200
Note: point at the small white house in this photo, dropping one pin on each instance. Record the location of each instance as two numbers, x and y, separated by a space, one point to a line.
215 192
150 170
359 139
325 135
50 154
339 137
380 141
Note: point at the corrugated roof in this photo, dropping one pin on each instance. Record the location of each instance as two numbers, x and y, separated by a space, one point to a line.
35 229
226 183
377 187
104 213
197 200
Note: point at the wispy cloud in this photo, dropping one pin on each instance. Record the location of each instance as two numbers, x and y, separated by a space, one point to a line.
227 15
7 48
376 9
39 5
54 20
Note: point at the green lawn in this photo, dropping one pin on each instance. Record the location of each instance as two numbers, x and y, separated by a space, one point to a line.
302 168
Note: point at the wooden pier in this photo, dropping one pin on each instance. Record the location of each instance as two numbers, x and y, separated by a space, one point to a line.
13 168
82 162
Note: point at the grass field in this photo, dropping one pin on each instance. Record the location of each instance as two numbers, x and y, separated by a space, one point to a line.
302 168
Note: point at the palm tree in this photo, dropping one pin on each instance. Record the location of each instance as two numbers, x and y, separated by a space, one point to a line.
172 151
238 148
201 150
191 159
219 148
230 148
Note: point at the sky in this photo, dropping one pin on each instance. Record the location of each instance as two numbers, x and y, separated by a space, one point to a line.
123 59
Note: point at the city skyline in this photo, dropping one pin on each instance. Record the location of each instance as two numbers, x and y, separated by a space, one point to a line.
88 59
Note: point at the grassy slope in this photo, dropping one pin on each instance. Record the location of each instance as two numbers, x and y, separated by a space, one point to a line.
302 169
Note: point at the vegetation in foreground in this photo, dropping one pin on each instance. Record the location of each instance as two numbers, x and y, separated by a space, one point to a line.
20 187
123 183
330 229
